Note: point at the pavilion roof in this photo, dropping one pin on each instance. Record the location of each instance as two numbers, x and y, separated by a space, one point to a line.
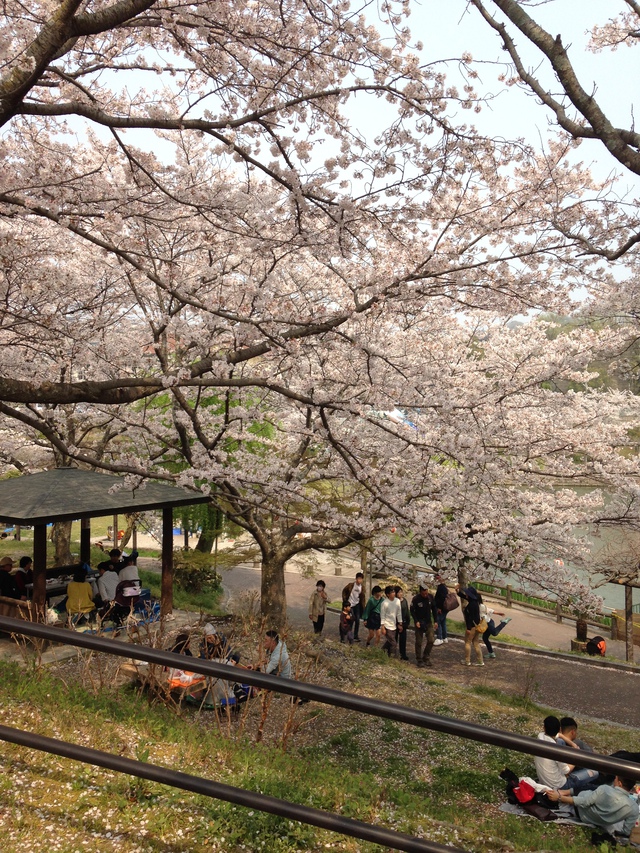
65 494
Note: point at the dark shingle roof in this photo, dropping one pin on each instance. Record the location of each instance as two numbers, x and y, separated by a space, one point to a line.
64 494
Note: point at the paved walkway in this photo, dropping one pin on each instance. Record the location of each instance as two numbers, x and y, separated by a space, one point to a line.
574 685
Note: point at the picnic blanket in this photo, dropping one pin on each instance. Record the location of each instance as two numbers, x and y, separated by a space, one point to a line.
565 815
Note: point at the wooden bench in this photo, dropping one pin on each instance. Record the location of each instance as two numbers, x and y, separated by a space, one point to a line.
15 608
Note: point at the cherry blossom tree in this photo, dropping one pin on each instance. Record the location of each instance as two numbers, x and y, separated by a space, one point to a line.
237 234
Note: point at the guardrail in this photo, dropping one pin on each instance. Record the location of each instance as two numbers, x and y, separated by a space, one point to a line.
329 696
512 596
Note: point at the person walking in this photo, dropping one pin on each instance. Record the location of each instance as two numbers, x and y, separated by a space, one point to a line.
406 621
390 621
353 594
317 607
423 614
439 599
371 615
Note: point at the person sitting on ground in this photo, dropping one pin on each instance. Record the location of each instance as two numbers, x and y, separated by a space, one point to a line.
181 644
580 778
550 772
278 661
8 585
214 645
80 595
605 807
115 558
24 574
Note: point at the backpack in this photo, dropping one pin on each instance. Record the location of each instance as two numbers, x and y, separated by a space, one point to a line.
597 646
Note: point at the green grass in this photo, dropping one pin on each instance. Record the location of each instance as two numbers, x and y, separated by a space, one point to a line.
207 601
410 779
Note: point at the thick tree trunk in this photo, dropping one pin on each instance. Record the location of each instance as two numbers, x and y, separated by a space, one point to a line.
273 598
128 531
581 630
211 529
61 538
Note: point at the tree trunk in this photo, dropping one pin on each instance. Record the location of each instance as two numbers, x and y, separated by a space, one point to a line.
581 630
273 597
211 529
131 519
61 538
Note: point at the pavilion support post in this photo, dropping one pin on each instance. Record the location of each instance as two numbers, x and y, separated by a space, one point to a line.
628 617
85 540
115 531
166 596
39 600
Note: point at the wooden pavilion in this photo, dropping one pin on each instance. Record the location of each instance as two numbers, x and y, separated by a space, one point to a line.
70 494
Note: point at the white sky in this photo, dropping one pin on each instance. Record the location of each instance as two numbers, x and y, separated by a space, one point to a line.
447 29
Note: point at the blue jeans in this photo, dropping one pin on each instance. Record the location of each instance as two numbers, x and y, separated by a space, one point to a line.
441 626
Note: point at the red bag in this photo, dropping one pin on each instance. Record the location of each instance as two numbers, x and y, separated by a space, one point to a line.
525 792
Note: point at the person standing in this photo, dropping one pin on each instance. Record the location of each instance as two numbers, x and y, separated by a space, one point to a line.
406 621
353 594
390 621
371 615
317 607
442 591
472 622
422 610
346 625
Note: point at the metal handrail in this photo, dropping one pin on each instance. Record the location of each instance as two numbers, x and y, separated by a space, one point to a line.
326 695
250 799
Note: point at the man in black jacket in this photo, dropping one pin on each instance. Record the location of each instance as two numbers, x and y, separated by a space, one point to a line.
422 611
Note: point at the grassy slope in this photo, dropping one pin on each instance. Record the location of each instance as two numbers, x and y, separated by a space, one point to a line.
416 781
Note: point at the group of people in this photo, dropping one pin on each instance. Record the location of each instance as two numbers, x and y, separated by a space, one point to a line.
603 801
112 595
214 646
13 582
387 616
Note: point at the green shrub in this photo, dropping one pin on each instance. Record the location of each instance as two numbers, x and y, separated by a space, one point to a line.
193 571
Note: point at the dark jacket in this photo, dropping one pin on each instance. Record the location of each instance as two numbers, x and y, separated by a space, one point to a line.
346 592
472 610
422 609
404 608
8 586
442 591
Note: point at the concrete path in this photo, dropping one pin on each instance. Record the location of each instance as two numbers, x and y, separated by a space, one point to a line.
575 685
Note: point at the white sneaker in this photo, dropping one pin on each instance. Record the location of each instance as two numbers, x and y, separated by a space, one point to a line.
438 642
445 640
